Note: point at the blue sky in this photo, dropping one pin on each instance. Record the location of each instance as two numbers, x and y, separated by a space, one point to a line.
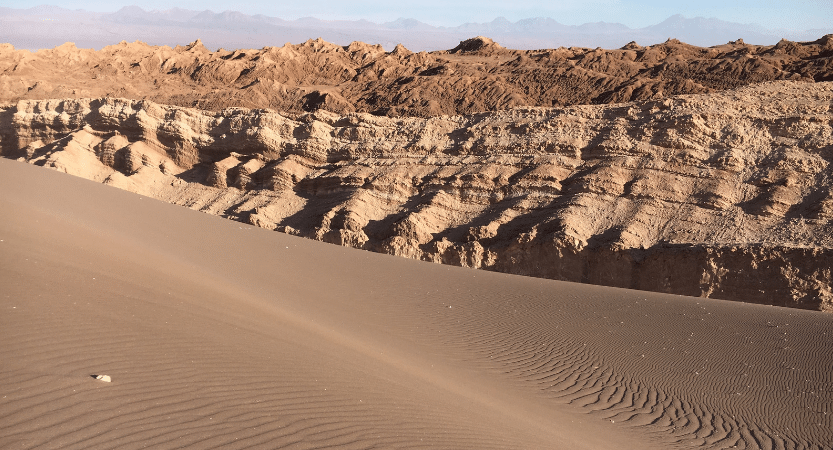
786 14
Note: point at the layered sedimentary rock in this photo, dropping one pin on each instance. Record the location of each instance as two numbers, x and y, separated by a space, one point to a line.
477 75
726 195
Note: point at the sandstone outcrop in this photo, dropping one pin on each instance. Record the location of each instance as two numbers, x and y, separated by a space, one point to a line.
477 75
725 195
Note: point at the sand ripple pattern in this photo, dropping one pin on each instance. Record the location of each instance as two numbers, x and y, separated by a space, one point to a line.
199 393
752 382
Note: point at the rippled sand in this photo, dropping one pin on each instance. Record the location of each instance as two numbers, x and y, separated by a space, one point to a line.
218 334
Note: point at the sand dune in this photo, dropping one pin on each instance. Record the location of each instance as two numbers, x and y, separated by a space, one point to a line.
218 334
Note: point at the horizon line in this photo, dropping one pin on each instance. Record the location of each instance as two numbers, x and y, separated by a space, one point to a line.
402 18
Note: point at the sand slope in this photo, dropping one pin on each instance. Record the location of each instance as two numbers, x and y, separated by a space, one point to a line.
221 334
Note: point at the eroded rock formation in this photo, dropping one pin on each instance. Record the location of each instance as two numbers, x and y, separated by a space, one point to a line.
478 75
725 195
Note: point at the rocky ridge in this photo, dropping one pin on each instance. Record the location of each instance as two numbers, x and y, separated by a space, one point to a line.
477 75
724 195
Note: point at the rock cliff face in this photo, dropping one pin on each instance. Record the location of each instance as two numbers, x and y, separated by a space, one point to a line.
478 75
726 195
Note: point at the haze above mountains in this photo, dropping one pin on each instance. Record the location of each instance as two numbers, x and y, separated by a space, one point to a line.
49 26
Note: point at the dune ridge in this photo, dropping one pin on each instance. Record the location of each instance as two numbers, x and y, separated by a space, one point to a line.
201 320
723 195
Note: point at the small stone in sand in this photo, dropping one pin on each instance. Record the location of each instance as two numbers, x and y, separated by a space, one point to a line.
104 378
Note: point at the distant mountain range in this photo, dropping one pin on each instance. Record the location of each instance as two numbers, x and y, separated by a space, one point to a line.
49 26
